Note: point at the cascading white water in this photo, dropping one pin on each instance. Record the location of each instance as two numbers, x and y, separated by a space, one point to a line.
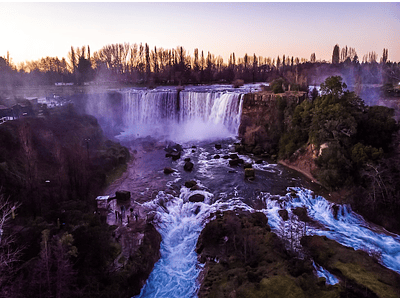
348 228
149 113
321 272
188 115
180 222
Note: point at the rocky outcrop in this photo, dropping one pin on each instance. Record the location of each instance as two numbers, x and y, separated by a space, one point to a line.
263 119
243 258
362 274
188 167
168 170
303 161
143 259
196 198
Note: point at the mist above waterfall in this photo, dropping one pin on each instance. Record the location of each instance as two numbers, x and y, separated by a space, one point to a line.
193 114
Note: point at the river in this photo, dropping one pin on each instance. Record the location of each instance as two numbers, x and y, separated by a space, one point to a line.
199 118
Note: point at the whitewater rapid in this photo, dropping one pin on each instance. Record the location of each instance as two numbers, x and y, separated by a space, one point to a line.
203 116
180 221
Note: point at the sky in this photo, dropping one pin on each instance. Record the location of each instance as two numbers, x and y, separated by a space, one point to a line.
32 30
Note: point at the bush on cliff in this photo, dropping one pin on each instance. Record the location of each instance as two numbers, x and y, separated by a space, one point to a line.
277 86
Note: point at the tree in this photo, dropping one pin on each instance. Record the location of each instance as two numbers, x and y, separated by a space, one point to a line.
84 70
278 62
335 54
9 252
72 59
333 85
384 56
313 58
52 275
196 60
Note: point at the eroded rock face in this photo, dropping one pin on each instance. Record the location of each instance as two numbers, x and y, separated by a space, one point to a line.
263 118
144 258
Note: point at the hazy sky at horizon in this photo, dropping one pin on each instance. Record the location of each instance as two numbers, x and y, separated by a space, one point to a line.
33 30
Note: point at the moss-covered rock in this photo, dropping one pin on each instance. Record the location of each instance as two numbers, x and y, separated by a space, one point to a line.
245 259
363 274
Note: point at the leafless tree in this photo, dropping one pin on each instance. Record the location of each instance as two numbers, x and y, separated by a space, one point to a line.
9 252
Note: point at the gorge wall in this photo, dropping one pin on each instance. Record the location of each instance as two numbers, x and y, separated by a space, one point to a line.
264 117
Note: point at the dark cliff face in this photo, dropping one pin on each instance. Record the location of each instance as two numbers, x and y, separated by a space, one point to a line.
143 260
50 159
264 117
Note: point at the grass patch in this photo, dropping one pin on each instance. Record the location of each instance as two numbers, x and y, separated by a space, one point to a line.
366 279
280 287
115 173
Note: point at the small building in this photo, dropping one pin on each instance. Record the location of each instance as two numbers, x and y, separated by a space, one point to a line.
102 207
102 201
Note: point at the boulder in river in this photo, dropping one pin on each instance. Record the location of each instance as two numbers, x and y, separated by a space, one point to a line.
173 148
233 156
239 148
191 183
217 156
218 146
249 173
335 209
247 166
123 195
196 198
168 170
234 162
188 166
301 212
284 214
187 159
175 155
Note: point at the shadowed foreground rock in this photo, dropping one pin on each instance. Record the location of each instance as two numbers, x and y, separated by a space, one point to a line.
143 260
363 275
243 258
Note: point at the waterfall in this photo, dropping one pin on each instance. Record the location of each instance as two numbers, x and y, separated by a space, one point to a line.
180 116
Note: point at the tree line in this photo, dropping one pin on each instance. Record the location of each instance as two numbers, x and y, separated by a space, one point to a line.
134 64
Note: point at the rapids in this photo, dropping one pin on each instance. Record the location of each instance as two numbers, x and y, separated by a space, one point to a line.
199 118
180 221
